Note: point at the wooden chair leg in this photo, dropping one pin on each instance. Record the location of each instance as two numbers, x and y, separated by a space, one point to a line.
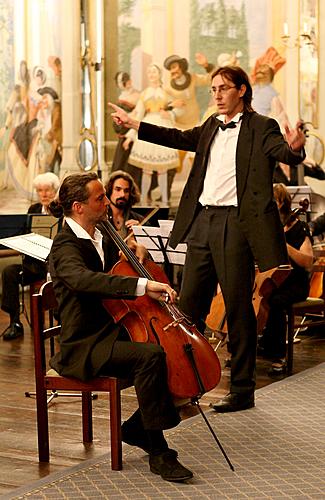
87 417
115 425
43 427
291 318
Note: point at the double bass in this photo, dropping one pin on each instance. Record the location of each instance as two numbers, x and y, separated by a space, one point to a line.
193 365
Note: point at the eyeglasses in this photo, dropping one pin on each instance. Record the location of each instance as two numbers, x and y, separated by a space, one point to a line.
223 89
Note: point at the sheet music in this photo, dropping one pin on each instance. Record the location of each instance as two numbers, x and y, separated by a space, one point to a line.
175 255
148 236
156 239
31 244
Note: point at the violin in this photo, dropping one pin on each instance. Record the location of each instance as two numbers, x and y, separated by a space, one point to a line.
193 366
296 212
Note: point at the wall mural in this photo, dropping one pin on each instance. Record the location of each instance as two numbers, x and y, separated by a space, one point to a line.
31 124
227 31
212 34
308 61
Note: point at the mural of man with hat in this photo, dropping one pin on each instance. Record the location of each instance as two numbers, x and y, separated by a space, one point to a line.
183 85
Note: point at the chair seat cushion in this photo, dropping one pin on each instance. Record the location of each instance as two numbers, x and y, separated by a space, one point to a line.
309 302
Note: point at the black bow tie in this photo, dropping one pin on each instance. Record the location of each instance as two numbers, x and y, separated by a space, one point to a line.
223 126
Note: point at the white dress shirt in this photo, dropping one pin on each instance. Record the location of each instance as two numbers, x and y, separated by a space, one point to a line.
219 188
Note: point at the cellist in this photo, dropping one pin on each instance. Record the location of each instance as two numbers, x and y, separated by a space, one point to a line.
295 288
91 343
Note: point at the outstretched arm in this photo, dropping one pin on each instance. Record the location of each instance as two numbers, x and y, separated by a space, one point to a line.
121 117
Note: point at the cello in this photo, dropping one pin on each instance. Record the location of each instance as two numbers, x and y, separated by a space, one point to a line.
192 364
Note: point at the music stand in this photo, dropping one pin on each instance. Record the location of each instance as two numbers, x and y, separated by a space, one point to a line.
45 225
38 247
156 241
12 225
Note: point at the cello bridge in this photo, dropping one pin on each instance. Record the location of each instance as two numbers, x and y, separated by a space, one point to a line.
173 323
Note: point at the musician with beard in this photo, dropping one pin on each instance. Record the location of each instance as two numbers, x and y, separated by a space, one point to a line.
122 193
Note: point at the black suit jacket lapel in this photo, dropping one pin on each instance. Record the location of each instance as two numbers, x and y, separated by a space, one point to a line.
243 153
209 134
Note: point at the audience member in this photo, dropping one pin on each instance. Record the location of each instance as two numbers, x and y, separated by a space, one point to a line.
31 269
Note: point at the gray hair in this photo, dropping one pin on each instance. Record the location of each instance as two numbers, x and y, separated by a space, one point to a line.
47 179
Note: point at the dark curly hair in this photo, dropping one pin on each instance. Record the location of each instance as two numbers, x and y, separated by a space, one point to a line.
238 77
73 188
134 190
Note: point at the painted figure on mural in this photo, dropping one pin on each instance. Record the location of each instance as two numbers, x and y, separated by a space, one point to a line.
182 86
127 100
266 100
154 106
32 133
49 127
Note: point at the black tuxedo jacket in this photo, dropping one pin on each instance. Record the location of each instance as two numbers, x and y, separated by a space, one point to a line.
80 284
260 144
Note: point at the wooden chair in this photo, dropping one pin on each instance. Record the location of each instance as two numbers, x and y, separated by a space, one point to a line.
43 306
33 288
314 308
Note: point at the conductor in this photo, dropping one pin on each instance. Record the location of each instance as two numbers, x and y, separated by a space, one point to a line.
227 214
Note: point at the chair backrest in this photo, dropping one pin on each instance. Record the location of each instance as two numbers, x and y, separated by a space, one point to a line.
44 305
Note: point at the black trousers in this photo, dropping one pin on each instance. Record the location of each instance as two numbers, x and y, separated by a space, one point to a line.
218 252
13 276
145 365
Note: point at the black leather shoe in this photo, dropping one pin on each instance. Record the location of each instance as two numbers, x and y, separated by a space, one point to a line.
169 468
13 331
138 438
234 402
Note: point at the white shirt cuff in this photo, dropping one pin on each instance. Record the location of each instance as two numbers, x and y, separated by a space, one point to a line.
141 287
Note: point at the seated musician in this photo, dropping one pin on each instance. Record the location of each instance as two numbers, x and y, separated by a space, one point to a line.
31 270
272 343
288 174
122 193
317 226
91 343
